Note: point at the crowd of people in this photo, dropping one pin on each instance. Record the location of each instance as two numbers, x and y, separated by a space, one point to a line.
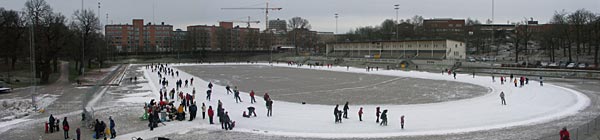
165 110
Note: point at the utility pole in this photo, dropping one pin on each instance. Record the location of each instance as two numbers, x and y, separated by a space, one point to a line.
493 32
83 46
397 7
336 23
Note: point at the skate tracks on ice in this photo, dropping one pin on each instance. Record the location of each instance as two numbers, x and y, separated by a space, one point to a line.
531 104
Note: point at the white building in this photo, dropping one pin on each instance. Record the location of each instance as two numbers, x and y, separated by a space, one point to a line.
405 49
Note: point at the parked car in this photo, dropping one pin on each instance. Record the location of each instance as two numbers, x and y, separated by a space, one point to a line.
562 64
571 65
553 65
582 66
544 64
4 88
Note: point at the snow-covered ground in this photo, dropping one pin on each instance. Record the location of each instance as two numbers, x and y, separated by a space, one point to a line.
531 104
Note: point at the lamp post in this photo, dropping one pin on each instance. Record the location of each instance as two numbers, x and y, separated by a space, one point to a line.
336 23
397 7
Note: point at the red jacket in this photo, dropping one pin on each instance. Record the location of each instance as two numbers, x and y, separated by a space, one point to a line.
251 93
210 112
564 135
360 112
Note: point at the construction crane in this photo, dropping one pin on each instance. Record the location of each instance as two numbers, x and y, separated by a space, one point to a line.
267 8
241 21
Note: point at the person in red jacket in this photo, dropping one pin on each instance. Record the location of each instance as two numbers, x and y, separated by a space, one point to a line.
360 112
252 100
210 114
564 134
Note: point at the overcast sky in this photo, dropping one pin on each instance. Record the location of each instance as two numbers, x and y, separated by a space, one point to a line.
320 13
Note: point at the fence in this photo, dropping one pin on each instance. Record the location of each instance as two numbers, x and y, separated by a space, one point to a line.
589 130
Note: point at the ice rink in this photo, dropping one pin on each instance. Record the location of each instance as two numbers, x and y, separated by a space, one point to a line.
447 113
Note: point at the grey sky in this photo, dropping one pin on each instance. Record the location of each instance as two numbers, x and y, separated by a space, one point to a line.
320 13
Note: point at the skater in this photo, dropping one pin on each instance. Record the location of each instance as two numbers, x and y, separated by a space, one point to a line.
192 81
228 88
269 108
502 98
346 108
210 85
251 110
227 121
402 121
252 100
493 78
541 81
266 97
203 111
526 80
112 125
236 95
360 112
511 77
208 92
193 110
66 127
473 74
78 132
210 115
384 118
501 80
335 114
564 134
454 73
377 113
515 81
51 123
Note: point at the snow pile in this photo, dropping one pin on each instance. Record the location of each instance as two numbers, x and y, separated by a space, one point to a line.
527 105
17 108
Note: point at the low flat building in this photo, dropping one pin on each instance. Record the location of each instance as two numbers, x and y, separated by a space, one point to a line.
404 49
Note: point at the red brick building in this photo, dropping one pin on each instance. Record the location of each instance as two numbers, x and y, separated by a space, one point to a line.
140 37
224 37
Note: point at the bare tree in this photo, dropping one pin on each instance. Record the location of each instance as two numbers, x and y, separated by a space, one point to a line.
298 23
579 19
87 24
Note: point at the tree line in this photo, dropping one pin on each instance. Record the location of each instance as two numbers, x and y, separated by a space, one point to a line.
37 34
573 34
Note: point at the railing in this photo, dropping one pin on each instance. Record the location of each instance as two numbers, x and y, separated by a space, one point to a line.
585 131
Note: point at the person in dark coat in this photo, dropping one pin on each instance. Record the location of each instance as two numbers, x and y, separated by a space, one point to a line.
210 114
51 123
402 122
227 121
210 85
222 119
57 125
112 127
336 111
236 95
97 129
269 104
228 88
66 127
377 113
251 110
384 118
208 92
193 110
78 131
346 108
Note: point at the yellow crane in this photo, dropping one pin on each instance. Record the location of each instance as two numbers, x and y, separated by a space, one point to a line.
267 8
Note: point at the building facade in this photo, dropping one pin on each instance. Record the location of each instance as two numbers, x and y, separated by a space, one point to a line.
405 49
277 25
140 37
224 37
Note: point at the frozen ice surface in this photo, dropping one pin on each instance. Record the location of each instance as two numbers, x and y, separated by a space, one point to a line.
529 105
331 87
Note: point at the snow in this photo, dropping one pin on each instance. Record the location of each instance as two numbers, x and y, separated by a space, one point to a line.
528 105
